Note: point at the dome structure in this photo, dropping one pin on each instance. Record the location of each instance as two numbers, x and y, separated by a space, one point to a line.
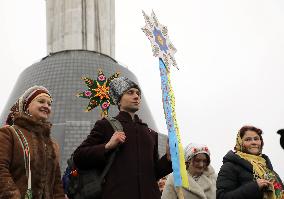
61 74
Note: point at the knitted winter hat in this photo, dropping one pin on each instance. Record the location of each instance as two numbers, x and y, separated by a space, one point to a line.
23 102
193 149
120 85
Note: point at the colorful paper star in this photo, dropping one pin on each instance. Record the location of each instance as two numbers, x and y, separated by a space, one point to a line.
98 92
164 50
162 47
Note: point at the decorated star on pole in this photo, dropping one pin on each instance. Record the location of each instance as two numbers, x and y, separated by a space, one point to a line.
98 92
162 47
164 50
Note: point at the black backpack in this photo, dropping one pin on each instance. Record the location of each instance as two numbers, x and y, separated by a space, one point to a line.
87 184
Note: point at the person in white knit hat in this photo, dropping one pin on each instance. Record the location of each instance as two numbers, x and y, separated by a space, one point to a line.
201 176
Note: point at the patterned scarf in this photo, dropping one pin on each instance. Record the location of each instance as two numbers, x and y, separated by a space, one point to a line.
261 171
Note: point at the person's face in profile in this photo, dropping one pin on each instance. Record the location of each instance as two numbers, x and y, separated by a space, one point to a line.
130 100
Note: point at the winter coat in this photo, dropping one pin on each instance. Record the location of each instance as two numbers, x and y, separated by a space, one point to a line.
235 178
45 171
136 167
203 188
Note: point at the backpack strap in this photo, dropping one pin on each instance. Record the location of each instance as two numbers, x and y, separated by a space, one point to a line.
116 125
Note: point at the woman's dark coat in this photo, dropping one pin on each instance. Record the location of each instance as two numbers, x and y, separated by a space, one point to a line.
235 179
136 167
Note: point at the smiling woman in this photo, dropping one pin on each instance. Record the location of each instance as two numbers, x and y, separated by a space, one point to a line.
251 140
40 107
247 173
29 166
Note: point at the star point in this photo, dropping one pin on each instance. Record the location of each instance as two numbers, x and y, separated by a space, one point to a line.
157 33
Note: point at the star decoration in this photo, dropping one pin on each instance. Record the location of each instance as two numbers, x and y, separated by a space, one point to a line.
158 36
98 92
102 91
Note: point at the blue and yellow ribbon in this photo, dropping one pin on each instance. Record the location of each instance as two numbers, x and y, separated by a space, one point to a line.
176 149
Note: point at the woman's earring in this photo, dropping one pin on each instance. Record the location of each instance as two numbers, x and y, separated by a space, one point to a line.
27 112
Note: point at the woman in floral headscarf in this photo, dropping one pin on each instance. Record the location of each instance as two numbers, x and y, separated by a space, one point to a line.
29 166
201 176
247 173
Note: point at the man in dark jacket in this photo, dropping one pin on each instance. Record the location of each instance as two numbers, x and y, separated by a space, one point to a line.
137 167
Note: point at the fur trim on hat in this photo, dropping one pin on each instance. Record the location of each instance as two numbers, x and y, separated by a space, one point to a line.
119 86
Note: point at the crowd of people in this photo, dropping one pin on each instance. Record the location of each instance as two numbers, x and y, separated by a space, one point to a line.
29 156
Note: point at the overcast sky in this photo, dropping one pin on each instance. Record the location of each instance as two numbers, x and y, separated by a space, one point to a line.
230 55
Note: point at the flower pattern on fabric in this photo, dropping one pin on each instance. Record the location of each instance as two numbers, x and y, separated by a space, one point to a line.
277 187
261 171
98 92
